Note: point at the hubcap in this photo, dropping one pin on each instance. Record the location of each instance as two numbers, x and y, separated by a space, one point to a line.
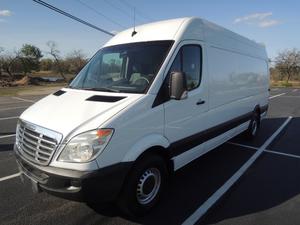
148 186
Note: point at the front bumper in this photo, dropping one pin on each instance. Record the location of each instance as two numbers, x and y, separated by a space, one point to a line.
101 185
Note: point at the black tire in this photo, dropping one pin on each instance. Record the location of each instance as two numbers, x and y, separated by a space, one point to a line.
129 202
254 126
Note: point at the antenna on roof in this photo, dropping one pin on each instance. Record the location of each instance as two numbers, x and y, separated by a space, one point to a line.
133 32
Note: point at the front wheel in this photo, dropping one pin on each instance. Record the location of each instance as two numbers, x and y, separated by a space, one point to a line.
144 185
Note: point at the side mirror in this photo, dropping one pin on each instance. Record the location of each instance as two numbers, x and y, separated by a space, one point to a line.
178 86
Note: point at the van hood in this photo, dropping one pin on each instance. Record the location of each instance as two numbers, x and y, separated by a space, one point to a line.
68 109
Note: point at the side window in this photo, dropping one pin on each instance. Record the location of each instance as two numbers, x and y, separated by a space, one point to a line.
188 60
176 65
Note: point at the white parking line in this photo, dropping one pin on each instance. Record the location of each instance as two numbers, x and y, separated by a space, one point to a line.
284 154
241 145
19 107
266 150
295 90
228 184
23 99
7 136
9 118
10 177
274 96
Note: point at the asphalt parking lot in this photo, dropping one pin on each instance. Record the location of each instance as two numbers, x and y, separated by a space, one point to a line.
240 182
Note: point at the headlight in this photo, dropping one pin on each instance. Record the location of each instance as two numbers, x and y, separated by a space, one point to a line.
86 146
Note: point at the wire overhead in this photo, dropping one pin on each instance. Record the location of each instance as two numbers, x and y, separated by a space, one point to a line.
129 15
99 13
72 17
124 2
118 8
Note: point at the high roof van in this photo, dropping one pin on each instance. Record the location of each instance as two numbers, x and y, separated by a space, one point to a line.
149 102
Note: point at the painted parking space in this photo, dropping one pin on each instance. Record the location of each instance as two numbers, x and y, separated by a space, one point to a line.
268 194
267 190
268 127
8 165
289 141
8 126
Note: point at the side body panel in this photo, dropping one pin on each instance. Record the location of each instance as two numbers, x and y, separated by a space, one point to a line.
237 81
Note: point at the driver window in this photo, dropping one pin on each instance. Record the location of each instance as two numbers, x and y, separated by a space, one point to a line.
188 60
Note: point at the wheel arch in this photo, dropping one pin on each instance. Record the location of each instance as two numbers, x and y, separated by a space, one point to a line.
154 144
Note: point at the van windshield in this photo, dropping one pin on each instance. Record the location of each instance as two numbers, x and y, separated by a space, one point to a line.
127 68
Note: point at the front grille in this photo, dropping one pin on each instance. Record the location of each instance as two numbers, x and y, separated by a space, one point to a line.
35 143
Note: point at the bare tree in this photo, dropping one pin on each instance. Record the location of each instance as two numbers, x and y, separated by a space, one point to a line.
76 61
55 53
10 62
1 60
288 63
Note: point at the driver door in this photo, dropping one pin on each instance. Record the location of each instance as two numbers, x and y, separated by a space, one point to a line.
186 118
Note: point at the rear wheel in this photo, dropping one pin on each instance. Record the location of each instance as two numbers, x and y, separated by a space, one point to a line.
144 185
253 128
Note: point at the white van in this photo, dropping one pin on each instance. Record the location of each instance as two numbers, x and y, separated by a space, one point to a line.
148 103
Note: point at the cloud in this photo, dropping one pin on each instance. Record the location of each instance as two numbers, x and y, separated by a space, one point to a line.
262 20
268 23
5 12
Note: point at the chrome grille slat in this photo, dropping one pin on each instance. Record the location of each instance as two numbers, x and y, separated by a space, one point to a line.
30 141
28 152
28 146
37 144
45 153
49 140
45 146
27 155
30 135
41 157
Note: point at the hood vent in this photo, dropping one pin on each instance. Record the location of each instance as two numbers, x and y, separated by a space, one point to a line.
104 98
59 93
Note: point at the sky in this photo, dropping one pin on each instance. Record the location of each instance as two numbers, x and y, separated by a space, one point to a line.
275 23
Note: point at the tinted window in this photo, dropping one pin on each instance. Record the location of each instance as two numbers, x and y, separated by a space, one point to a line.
188 60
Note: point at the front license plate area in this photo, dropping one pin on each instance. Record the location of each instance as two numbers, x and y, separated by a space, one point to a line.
35 186
26 175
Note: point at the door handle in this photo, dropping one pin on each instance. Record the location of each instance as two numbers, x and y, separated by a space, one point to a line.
200 102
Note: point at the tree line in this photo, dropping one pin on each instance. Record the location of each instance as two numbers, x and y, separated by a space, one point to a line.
30 58
286 66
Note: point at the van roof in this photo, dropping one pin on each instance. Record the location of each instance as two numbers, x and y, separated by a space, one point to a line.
160 30
190 28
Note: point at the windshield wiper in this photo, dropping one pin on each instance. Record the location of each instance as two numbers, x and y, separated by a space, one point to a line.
102 89
71 87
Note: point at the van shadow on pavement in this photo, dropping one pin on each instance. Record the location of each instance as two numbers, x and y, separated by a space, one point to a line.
270 189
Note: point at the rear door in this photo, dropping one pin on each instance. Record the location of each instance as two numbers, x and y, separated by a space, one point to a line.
185 119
